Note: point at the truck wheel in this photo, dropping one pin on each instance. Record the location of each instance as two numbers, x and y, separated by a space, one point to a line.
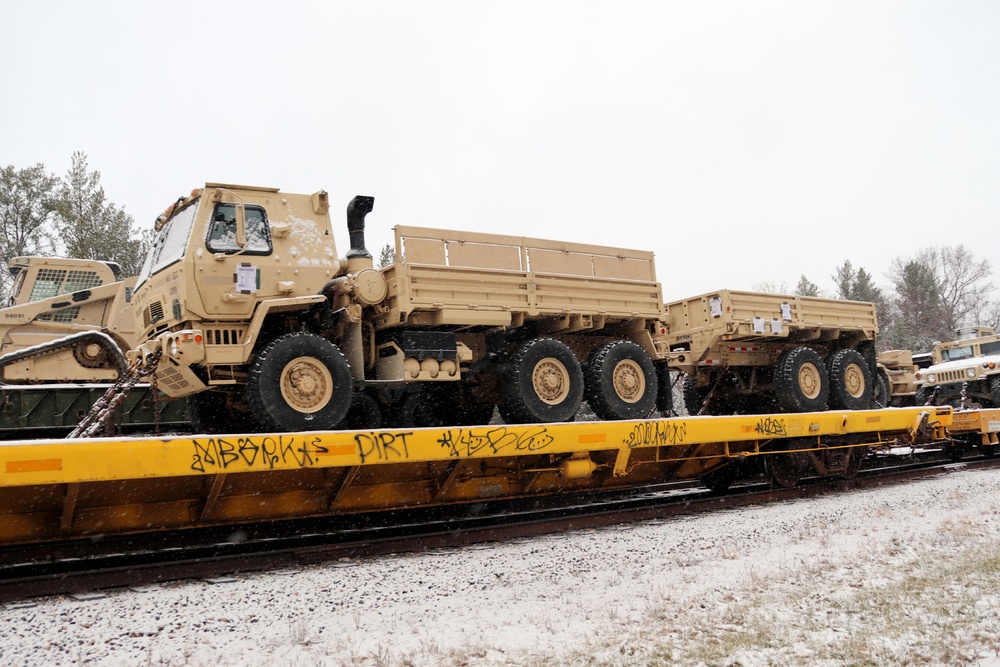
542 382
300 382
850 381
800 381
620 381
452 405
922 396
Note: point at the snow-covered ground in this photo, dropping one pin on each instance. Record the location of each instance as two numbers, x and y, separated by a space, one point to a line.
904 575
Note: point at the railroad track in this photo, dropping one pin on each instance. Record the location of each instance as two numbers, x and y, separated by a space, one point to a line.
87 565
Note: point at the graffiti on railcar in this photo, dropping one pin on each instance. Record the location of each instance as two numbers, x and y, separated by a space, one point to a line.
383 446
467 443
255 453
657 434
771 426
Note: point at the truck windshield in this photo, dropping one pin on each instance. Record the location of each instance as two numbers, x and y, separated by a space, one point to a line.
170 242
956 353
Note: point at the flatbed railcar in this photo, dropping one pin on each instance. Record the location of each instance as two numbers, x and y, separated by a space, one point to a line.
64 489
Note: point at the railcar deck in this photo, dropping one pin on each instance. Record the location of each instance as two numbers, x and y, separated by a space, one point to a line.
61 489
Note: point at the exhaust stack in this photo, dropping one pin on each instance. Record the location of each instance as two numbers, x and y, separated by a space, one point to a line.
358 256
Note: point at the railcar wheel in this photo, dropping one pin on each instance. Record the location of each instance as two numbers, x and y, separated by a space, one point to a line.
542 382
720 479
365 413
850 381
784 468
801 383
300 382
620 381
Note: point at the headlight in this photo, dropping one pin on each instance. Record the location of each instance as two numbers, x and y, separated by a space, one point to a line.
931 377
970 372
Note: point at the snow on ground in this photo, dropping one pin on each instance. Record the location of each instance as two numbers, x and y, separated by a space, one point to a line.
903 575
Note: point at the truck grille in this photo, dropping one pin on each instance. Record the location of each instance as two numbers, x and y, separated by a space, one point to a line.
152 314
945 377
230 335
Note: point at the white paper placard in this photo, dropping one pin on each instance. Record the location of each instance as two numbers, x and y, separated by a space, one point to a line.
716 305
758 325
786 312
246 278
775 326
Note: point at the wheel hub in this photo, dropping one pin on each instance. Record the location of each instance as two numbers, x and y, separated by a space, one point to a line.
629 381
306 384
550 380
854 381
810 382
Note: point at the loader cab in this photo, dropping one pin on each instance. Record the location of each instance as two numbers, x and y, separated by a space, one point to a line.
37 278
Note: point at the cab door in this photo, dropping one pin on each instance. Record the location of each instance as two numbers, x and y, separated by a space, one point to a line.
237 268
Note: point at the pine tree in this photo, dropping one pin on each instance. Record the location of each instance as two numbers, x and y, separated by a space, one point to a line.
806 287
92 227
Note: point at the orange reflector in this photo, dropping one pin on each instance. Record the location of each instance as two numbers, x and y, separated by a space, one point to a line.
339 450
34 465
592 438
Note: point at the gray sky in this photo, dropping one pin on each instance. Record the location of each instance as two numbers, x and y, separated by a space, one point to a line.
741 142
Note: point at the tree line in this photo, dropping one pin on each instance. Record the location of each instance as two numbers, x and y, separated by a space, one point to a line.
70 216
929 295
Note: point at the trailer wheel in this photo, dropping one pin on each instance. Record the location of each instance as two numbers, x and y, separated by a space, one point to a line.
542 382
800 381
850 381
694 397
300 382
882 397
720 479
620 381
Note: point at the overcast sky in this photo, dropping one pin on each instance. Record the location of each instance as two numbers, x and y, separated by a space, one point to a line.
742 142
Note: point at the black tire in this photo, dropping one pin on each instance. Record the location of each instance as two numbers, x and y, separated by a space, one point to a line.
995 390
801 382
209 412
412 411
694 397
882 397
365 414
620 381
300 382
922 396
785 470
850 381
541 382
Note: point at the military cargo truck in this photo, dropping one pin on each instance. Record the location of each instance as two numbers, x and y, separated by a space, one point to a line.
63 336
257 319
747 352
965 372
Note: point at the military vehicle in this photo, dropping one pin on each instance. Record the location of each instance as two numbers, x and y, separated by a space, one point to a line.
63 336
746 352
897 377
965 372
247 309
